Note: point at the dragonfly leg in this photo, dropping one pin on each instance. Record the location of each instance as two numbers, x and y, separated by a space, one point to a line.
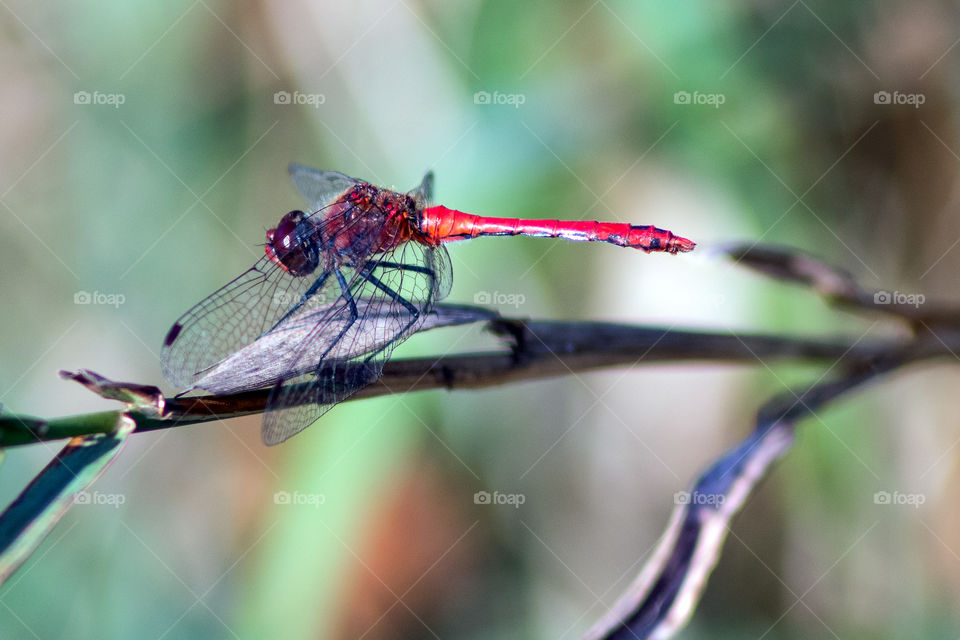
366 274
354 315
405 267
322 367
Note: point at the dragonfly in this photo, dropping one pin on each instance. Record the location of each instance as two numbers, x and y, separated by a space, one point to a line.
338 288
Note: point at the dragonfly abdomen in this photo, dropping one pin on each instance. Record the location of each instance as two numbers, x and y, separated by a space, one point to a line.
441 224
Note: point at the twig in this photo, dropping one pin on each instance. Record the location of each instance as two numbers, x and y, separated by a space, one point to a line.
537 350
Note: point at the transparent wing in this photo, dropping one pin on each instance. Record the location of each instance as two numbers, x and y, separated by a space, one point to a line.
235 316
388 299
219 331
423 194
319 188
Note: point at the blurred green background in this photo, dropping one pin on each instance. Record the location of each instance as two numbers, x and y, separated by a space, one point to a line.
144 154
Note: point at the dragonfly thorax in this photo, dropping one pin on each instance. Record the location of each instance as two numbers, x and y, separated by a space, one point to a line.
367 221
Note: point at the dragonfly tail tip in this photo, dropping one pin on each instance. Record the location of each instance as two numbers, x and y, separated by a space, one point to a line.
680 245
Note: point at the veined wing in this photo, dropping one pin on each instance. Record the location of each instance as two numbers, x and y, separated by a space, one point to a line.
389 300
234 317
319 188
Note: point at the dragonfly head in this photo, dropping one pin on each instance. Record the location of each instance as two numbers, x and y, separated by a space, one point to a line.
291 245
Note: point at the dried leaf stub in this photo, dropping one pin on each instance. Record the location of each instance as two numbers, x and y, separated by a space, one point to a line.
146 399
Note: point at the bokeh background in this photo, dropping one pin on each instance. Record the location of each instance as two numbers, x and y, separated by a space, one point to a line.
144 148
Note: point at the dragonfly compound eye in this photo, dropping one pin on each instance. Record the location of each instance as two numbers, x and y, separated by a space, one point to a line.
292 246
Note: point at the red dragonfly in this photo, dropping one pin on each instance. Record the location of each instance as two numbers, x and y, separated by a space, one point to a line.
341 286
